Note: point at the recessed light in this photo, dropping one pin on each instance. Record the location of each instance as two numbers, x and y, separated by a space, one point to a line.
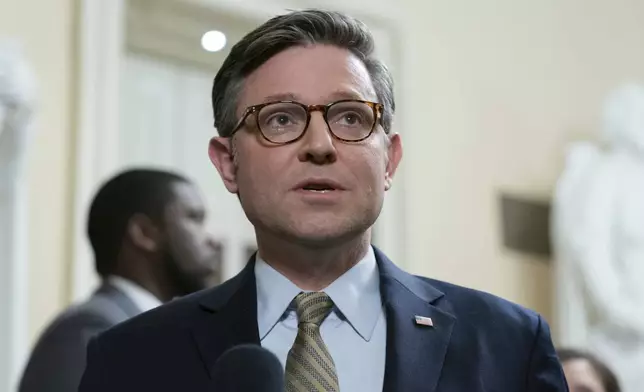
213 41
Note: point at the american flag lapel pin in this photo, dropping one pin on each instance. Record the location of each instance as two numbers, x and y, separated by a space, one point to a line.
425 321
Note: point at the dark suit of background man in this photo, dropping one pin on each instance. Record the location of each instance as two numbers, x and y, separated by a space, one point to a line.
147 231
304 111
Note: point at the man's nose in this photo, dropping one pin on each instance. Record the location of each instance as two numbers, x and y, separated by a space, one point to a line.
317 143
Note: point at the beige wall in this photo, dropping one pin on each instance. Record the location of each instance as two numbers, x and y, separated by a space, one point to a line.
44 29
494 91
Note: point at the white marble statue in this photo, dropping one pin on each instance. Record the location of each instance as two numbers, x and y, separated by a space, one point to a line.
598 237
17 94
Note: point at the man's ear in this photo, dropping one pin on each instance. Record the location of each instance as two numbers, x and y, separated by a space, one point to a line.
144 233
394 155
220 151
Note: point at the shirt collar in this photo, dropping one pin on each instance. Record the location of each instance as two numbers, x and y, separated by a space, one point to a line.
356 294
274 294
143 299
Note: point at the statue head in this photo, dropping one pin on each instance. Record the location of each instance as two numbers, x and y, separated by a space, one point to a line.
17 84
623 119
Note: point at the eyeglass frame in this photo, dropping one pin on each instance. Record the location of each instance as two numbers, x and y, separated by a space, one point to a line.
377 108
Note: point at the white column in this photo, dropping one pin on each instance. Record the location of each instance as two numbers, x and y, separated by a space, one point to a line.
101 48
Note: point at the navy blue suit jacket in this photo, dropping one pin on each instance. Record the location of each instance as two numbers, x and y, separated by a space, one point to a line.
478 343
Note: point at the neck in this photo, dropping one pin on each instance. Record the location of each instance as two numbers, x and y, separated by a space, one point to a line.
144 277
312 267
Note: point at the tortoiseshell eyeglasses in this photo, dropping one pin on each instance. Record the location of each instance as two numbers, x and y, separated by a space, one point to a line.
284 122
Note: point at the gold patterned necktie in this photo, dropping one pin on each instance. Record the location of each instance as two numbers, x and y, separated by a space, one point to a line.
309 366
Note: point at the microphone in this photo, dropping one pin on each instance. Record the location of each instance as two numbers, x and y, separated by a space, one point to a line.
248 368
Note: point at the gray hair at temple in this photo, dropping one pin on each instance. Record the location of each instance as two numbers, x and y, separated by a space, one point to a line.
298 28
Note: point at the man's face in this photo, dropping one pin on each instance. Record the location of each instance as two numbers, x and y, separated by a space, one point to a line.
190 252
269 178
582 377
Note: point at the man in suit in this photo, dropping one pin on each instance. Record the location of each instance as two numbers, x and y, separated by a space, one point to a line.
147 231
304 113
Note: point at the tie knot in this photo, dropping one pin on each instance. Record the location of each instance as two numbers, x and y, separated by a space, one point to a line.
312 307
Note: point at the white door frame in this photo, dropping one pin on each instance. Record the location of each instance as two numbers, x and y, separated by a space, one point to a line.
102 37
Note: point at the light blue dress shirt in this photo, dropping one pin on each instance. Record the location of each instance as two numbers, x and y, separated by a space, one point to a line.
355 332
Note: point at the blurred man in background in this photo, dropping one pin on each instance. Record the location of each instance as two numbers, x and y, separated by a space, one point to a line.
586 373
147 230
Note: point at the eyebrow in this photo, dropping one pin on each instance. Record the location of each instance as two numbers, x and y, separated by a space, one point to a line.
280 97
336 95
347 94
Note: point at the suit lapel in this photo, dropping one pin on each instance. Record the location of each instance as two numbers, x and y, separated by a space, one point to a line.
415 353
229 317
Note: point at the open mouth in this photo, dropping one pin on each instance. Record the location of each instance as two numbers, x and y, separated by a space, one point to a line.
318 188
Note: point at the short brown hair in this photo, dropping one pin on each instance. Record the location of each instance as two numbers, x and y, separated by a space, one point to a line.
608 378
297 28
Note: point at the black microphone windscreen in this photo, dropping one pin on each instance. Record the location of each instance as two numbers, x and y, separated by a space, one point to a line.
250 368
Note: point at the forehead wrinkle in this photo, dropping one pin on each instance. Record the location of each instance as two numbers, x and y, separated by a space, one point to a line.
357 84
349 92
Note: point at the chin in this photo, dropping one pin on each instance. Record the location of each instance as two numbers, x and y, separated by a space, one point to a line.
325 235
314 229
